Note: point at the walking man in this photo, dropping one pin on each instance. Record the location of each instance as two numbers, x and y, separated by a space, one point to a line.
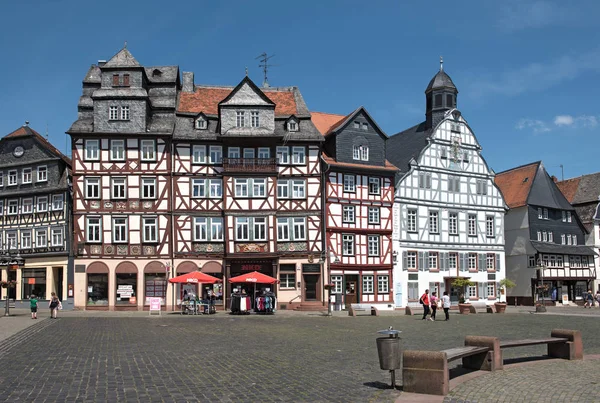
426 303
446 304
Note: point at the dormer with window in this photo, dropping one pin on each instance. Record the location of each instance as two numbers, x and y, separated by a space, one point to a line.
201 123
292 124
247 111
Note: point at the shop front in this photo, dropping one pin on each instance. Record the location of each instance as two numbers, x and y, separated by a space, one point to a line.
155 284
239 267
126 281
97 283
202 291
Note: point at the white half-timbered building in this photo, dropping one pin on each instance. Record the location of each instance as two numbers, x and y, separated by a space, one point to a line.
448 213
122 183
359 194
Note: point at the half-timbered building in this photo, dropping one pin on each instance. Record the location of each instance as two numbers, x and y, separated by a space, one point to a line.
122 183
35 217
546 252
448 213
358 184
246 183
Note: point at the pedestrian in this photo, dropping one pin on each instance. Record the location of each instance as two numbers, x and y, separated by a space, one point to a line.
426 304
589 299
33 304
434 304
598 298
54 305
446 304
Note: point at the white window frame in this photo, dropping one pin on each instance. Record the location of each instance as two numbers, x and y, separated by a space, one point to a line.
26 176
411 260
26 239
574 239
201 229
453 223
264 153
490 262
39 204
12 207
337 284
490 289
432 261
233 152
259 188
12 177
374 186
472 224
198 188
42 173
283 189
92 150
348 245
472 291
364 153
283 155
57 235
254 119
215 154
374 215
411 220
539 236
434 222
544 236
216 229
383 284
356 151
150 229
242 229
248 153
240 119
242 187
259 225
367 284
569 216
11 240
148 150
120 229
201 123
27 206
113 112
1 178
472 261
298 189
298 155
93 223
490 226
198 154
283 229
215 188
564 216
452 261
374 245
563 239
118 188
349 183
545 213
117 150
147 185
299 228
292 126
92 188
41 238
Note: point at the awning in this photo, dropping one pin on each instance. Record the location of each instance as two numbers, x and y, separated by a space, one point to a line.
552 248
254 277
194 278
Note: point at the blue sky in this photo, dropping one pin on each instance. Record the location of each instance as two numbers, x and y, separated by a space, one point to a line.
527 71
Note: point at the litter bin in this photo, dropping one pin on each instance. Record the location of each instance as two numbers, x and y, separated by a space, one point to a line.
388 349
337 302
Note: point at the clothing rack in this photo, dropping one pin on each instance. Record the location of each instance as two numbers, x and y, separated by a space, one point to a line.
266 304
241 304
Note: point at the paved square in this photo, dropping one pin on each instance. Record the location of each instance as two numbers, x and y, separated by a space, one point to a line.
227 358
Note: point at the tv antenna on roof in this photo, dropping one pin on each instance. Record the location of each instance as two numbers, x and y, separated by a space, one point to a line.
264 64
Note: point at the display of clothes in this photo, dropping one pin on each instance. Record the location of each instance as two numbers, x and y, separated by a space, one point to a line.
265 304
240 304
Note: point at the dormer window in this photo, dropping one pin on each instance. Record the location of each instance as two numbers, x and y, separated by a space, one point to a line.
356 125
240 119
365 126
201 123
254 120
360 153
292 126
120 80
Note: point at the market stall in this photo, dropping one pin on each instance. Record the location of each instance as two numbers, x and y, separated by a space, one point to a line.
263 300
190 303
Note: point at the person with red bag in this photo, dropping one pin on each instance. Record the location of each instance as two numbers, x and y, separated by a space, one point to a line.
426 304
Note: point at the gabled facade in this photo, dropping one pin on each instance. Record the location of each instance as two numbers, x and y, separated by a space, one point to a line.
247 194
448 214
35 202
545 239
358 185
121 142
583 193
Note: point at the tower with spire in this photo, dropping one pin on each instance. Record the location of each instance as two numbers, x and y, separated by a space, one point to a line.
440 95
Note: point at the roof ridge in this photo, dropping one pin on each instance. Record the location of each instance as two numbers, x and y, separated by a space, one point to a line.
579 177
328 113
519 167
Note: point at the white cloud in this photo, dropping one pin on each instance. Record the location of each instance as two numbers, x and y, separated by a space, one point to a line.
537 126
563 120
519 15
559 121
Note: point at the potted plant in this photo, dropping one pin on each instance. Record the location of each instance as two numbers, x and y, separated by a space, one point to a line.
504 284
463 283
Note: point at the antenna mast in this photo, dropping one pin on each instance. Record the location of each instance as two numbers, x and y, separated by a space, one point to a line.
264 64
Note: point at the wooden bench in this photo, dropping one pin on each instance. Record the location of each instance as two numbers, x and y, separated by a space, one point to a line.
427 371
362 308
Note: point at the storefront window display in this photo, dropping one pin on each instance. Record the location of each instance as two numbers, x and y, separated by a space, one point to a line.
155 286
34 282
126 289
97 289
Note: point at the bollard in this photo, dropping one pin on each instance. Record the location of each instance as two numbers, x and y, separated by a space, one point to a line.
388 349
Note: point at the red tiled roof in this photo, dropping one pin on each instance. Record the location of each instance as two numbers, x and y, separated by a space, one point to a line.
325 122
26 131
388 165
516 183
206 100
569 188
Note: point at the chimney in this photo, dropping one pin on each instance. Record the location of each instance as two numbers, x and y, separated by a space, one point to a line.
188 81
554 178
101 63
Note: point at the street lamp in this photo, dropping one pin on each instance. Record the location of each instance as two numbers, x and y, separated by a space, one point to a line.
541 267
10 261
325 257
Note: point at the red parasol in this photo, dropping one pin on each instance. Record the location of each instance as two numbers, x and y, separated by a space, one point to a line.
254 277
195 277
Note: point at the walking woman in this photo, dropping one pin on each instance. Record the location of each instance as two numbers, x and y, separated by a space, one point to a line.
434 304
54 305
446 304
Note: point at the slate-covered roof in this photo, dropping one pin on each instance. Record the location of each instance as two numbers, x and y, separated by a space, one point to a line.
206 99
440 80
406 145
553 248
26 131
326 121
583 189
545 193
122 59
162 74
388 166
94 75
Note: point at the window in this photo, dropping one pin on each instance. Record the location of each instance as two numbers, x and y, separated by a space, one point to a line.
568 216
383 284
216 154
283 155
260 229
411 220
298 189
360 152
198 188
201 226
1 212
292 126
264 152
356 124
452 261
240 119
241 188
544 236
254 121
13 207
113 112
472 225
472 261
539 236
373 244
283 189
574 239
11 240
411 260
413 290
472 291
298 155
283 229
148 188
453 184
26 175
27 206
57 202
433 222
93 229
287 280
12 178
531 261
374 215
199 154
34 281
118 188
563 239
42 174
349 183
367 282
233 152
432 261
482 187
490 261
425 180
564 216
119 229
201 123
540 213
258 187
374 186
26 240
348 245
200 229
299 228
57 237
242 229
348 214
337 284
150 229
42 204
40 238
545 214
490 230
1 179
216 188
365 126
453 223
356 149
249 153
125 113
92 188
216 229
148 150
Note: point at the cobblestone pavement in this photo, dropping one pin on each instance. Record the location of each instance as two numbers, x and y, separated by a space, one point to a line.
227 358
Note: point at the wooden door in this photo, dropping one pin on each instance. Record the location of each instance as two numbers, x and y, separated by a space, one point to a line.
351 296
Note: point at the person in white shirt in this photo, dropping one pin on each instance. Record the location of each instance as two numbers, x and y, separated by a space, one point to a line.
446 304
